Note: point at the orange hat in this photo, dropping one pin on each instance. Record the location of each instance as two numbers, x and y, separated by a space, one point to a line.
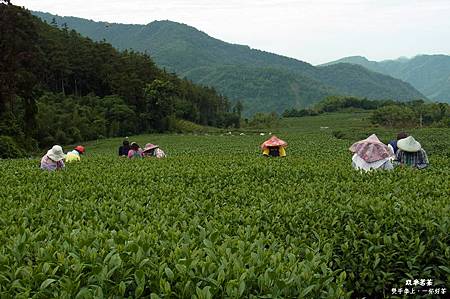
80 149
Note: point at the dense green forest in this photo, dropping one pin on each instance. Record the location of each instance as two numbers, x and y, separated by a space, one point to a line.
59 87
263 81
258 87
427 73
386 112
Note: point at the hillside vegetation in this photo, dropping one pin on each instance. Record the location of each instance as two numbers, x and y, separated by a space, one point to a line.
59 87
201 58
260 86
430 74
386 113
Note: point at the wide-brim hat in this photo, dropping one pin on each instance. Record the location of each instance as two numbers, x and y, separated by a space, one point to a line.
56 153
371 149
273 141
150 146
409 144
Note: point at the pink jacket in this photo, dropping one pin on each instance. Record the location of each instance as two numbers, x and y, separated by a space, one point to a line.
135 154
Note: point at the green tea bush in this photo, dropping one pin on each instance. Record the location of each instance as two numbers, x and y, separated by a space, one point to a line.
216 220
9 149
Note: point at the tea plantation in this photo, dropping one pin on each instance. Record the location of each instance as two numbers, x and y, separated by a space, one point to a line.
216 220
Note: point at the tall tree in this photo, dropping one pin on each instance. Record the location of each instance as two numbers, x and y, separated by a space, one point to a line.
18 60
57 86
159 97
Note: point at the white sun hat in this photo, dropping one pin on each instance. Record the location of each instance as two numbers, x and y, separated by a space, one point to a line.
409 144
56 153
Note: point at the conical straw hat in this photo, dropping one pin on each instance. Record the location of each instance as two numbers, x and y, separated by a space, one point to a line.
409 144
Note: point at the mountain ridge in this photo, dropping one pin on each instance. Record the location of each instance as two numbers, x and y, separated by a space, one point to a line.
430 74
185 50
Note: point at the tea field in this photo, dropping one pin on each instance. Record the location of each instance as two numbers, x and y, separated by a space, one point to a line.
216 220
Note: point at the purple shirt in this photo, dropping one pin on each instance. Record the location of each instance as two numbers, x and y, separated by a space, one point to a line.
49 164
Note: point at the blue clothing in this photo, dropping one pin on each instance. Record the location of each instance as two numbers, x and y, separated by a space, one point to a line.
123 150
393 143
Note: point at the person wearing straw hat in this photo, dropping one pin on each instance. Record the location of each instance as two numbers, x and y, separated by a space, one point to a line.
370 154
411 153
54 159
153 150
75 154
274 147
135 151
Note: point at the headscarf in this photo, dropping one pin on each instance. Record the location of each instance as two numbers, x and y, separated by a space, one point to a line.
371 149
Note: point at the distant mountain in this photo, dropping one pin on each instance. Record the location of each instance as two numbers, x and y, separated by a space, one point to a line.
262 80
430 74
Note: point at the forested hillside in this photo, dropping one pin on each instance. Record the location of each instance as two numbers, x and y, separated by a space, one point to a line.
201 58
59 87
430 74
259 86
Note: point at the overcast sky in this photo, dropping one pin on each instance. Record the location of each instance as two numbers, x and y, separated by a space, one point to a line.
316 31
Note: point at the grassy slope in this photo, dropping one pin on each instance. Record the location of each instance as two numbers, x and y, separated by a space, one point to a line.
217 216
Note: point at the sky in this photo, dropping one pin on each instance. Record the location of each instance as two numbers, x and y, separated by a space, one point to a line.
316 31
